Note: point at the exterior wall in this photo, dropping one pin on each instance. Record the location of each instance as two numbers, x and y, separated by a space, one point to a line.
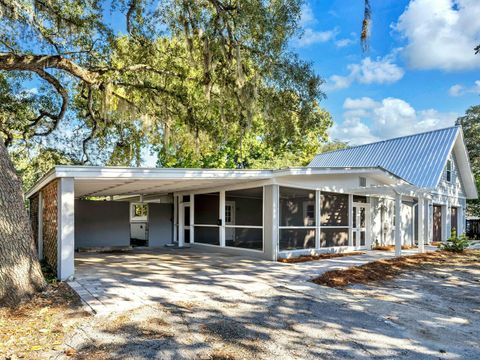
407 223
376 222
101 223
450 194
50 223
160 224
382 220
455 186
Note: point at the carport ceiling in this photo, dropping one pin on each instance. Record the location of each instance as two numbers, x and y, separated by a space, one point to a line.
109 187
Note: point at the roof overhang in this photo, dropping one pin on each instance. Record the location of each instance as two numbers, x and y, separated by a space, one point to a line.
110 181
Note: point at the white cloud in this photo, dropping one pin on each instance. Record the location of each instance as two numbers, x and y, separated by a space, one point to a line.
344 42
379 71
441 34
367 120
306 16
460 90
310 37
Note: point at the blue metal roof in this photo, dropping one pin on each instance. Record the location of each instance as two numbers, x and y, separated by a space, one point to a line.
418 159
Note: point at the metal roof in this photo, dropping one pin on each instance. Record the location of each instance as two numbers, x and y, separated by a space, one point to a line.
418 159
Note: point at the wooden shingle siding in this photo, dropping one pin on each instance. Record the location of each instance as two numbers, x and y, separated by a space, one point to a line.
34 203
50 221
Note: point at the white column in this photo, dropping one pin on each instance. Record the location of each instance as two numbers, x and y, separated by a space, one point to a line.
398 224
181 222
460 220
317 219
192 220
421 224
446 231
175 217
350 220
429 222
65 228
40 226
270 221
222 218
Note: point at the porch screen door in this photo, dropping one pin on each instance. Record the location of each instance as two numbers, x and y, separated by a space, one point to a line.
361 231
184 216
229 220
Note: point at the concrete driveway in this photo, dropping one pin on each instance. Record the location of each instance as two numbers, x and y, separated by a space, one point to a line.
112 282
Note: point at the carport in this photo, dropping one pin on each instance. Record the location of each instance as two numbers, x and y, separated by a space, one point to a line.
75 207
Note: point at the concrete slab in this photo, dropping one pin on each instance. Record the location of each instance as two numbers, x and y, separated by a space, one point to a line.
115 282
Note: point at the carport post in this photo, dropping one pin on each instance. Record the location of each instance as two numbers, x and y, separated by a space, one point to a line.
270 221
175 217
421 224
398 224
222 218
65 228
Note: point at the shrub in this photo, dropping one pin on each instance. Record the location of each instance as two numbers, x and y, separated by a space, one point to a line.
456 243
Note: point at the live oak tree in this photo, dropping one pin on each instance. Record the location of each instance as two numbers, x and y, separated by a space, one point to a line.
212 81
471 129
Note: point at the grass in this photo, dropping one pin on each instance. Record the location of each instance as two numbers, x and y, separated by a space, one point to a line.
382 270
305 258
39 325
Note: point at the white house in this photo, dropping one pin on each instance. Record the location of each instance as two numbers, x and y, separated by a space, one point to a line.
406 190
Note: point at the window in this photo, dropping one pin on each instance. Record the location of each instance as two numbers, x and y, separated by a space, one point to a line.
297 207
449 170
363 182
297 219
309 213
139 212
334 219
334 209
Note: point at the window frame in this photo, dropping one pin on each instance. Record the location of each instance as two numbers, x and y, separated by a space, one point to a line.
136 218
448 171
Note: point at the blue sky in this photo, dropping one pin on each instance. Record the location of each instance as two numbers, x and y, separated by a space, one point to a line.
420 72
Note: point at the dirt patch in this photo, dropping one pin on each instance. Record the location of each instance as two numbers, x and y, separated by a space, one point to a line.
387 269
305 258
39 325
392 247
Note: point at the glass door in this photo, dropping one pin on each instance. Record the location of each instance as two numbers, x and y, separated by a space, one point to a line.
361 225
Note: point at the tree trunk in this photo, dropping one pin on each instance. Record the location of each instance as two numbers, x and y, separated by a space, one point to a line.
20 272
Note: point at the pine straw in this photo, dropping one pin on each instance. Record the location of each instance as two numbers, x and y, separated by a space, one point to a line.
304 258
388 269
392 247
39 324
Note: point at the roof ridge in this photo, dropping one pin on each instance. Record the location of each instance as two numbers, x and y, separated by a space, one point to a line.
387 140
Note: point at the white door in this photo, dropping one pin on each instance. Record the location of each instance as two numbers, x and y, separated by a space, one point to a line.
184 223
229 220
361 225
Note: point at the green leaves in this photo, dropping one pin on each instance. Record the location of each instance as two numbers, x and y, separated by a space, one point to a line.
199 82
471 130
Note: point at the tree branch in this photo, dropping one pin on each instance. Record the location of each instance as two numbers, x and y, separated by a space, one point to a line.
11 62
43 113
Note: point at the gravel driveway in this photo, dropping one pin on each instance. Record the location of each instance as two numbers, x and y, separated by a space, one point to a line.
417 316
